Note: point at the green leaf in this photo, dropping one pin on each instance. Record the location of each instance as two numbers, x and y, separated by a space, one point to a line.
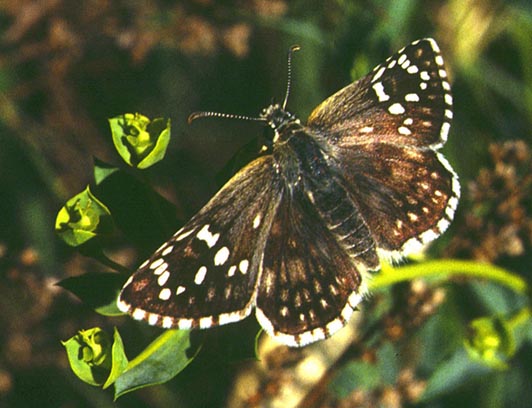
437 347
388 363
497 299
160 128
119 359
162 360
139 141
355 375
82 218
97 290
103 170
143 216
452 374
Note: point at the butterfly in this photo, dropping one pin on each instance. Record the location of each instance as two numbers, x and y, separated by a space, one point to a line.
296 233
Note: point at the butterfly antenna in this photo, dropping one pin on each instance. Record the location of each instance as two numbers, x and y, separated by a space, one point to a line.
197 115
291 51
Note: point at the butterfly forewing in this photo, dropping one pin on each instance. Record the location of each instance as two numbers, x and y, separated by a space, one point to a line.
206 274
404 101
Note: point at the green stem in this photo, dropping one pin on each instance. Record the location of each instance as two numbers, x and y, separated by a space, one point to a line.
112 264
102 258
447 268
520 318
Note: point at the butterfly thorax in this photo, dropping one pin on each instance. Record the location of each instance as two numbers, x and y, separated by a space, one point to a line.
280 121
289 136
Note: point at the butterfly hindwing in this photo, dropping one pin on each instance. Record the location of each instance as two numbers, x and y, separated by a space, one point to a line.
309 285
317 252
206 274
408 196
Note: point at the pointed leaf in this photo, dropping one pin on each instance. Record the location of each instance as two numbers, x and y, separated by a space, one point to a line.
161 361
142 215
119 359
98 290
103 170
452 374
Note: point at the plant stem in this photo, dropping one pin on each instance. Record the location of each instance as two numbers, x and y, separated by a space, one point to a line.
447 268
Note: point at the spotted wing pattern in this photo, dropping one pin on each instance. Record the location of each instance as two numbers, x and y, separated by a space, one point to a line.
207 273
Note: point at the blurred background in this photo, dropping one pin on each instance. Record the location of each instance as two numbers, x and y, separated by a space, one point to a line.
66 67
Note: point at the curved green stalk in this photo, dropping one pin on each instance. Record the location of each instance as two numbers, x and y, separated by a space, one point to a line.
447 268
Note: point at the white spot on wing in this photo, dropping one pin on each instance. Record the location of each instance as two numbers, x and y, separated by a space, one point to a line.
226 318
221 256
152 319
366 129
160 269
122 306
167 250
165 294
163 278
185 324
138 314
180 289
378 74
256 221
179 235
424 75
334 326
200 275
448 99
445 127
428 236
379 91
412 97
155 264
205 235
144 263
243 266
167 322
231 271
396 109
205 322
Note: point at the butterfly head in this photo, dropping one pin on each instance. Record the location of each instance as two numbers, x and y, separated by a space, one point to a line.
278 119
